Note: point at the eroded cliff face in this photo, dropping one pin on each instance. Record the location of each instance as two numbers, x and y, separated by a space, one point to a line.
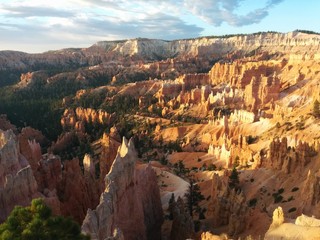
26 174
228 206
151 48
289 159
78 118
130 202
182 224
17 183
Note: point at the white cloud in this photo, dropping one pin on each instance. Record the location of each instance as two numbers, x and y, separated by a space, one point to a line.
217 12
75 21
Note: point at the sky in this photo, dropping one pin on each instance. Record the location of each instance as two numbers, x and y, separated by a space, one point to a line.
38 25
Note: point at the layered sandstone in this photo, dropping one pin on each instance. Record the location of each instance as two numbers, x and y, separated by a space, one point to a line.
149 48
130 202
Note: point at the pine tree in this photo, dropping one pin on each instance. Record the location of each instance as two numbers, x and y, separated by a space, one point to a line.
194 197
36 222
171 205
234 179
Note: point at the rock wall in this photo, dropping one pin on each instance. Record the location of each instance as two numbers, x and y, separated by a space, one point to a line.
17 183
109 148
130 202
220 153
260 91
289 159
190 81
63 185
76 119
242 116
29 145
72 190
215 47
182 224
310 194
228 206
240 72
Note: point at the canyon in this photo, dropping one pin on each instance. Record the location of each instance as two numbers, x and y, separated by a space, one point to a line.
119 135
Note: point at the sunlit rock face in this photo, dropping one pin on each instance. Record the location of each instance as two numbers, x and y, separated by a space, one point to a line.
303 227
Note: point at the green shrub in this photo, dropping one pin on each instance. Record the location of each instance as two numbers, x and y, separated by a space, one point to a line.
36 222
252 202
292 210
277 198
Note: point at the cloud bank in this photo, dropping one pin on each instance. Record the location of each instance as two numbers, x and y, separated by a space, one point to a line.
80 22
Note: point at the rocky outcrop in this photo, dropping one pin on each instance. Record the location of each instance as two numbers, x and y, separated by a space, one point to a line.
220 153
310 194
228 206
76 191
215 47
29 79
17 183
182 225
71 190
260 91
304 227
130 202
190 81
240 72
18 189
76 119
258 79
307 221
277 218
210 236
109 148
29 144
289 159
242 116
11 161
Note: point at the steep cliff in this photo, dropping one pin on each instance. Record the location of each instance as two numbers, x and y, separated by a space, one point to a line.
182 224
289 159
130 202
206 46
17 183
228 206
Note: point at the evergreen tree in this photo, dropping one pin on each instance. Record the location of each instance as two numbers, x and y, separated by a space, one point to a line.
234 179
171 205
36 222
194 197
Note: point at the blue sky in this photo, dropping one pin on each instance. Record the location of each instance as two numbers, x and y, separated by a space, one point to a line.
38 25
